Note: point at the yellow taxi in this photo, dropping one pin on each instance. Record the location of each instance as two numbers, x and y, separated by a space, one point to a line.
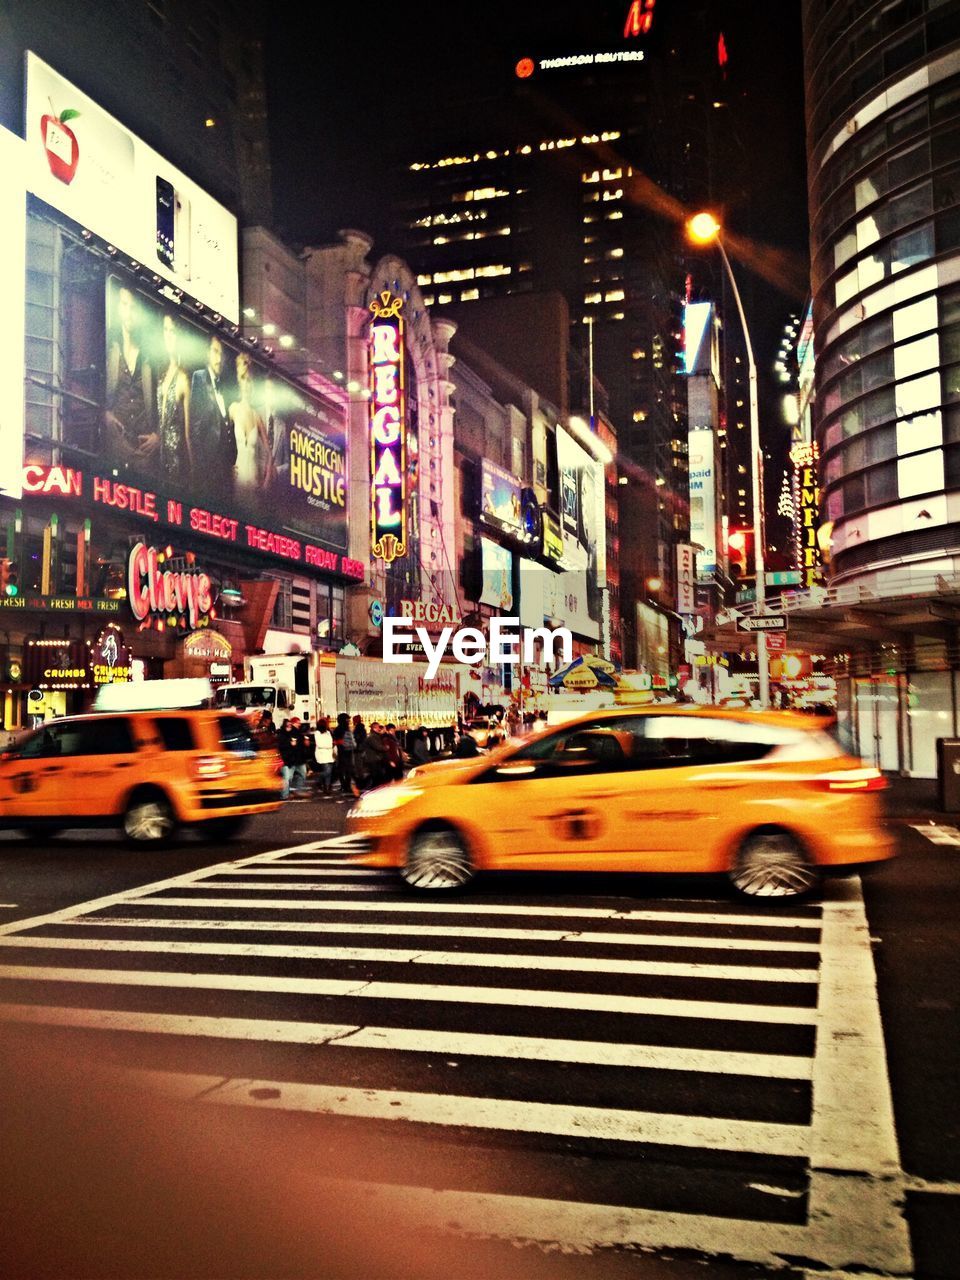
148 772
768 798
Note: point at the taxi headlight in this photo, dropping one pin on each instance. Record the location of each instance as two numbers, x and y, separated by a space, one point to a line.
384 800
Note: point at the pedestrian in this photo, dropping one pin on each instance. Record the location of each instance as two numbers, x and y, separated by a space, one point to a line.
288 754
394 754
323 754
513 722
293 754
346 746
373 757
419 748
467 747
265 734
359 732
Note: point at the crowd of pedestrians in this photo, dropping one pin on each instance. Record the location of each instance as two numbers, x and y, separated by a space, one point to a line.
347 758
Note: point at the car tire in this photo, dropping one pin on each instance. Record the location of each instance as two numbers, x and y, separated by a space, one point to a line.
437 860
774 864
223 828
149 819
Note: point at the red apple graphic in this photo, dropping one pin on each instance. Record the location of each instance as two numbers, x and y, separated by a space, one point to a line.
60 144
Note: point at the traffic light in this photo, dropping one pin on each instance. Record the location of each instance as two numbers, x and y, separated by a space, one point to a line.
9 585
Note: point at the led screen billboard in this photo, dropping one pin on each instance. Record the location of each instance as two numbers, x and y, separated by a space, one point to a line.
582 509
497 569
85 163
13 220
501 506
184 411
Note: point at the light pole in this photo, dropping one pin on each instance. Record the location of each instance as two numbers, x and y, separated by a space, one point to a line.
704 229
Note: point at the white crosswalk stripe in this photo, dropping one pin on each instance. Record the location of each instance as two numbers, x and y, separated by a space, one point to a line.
938 833
582 1032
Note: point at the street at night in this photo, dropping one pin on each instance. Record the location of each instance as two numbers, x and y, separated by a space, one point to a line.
480 640
602 1066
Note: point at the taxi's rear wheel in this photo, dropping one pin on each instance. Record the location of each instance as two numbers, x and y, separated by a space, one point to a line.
149 818
773 864
437 859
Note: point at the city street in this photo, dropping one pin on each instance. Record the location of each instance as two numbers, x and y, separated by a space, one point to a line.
639 1072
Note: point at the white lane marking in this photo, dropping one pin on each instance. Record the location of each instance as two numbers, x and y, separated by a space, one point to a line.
314 831
856 1190
509 996
294 904
132 895
411 906
931 1188
394 955
936 833
9 906
704 943
465 1111
598 1053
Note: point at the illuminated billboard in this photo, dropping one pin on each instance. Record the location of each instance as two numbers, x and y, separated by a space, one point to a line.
388 427
501 506
582 509
85 163
184 411
14 222
497 569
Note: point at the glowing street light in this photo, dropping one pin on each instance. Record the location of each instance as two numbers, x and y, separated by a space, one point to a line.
704 229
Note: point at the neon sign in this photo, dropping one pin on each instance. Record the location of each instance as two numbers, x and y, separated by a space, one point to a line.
639 18
171 597
806 503
387 429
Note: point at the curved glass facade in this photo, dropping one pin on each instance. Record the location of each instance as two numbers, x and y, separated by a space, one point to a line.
883 133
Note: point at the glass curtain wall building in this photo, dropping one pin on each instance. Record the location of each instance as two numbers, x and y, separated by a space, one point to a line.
883 126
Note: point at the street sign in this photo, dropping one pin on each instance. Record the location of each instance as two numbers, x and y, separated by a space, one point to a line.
777 642
763 622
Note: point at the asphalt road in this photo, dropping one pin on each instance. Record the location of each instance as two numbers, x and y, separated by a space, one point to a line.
616 1077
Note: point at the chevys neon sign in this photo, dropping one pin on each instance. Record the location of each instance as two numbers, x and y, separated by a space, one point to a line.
65 482
387 429
181 595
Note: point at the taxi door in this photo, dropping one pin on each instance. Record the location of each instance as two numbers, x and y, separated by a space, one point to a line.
31 776
547 806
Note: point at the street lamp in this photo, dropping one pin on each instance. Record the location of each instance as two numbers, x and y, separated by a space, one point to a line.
704 229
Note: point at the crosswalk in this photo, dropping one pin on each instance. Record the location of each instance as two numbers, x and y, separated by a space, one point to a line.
581 1072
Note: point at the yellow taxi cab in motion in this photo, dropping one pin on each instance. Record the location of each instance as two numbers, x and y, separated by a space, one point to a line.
768 798
147 772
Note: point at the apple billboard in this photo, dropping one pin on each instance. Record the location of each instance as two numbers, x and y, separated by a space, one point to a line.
84 163
13 206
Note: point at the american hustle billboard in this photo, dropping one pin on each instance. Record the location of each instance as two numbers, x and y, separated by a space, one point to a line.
184 411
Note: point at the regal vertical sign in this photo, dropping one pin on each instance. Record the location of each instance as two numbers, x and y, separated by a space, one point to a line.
387 429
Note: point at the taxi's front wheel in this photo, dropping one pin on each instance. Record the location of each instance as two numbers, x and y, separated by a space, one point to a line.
437 859
149 819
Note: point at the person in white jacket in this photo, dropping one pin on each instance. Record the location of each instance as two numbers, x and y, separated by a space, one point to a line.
323 754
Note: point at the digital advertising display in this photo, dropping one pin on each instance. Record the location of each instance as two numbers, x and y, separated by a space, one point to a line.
582 509
501 504
85 163
13 220
497 568
185 412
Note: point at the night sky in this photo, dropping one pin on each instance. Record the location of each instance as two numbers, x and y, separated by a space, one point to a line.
351 95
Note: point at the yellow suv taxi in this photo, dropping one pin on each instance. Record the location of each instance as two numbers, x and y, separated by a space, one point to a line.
768 798
148 772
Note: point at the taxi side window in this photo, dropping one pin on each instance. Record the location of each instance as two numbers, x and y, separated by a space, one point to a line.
175 733
105 736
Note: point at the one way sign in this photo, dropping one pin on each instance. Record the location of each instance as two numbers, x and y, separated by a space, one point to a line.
763 622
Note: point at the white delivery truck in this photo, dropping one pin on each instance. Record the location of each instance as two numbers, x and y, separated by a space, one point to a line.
288 684
314 684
